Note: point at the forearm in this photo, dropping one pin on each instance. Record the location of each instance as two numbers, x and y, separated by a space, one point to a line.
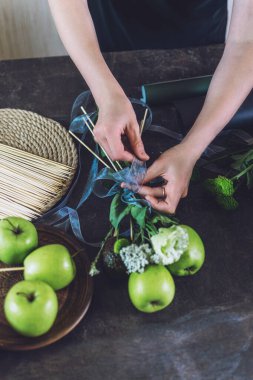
76 29
231 83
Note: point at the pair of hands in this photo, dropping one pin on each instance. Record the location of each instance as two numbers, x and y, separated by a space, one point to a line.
117 119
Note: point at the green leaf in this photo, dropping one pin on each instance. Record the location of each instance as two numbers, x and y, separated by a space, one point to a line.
249 177
139 215
165 220
151 229
242 161
118 210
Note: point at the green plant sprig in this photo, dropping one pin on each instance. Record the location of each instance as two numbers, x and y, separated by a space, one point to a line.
93 268
224 188
144 223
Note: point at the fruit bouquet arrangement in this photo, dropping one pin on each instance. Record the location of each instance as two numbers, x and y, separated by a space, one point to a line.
150 251
143 244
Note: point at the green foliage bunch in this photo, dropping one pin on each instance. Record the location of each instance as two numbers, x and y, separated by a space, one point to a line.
223 189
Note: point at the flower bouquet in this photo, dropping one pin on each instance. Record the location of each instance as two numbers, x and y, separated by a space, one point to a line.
145 245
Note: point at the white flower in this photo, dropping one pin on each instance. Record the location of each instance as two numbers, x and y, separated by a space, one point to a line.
169 245
93 270
135 257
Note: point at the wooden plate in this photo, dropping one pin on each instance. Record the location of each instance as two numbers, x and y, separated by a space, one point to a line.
74 300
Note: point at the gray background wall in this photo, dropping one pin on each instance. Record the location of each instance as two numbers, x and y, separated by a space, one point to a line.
27 30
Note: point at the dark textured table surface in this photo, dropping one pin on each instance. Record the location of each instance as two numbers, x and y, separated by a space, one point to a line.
207 332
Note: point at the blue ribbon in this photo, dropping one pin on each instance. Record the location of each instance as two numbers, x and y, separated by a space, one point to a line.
133 176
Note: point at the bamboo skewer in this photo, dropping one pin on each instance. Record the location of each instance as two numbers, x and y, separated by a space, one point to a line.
89 149
17 174
11 269
16 209
35 183
26 202
26 160
142 125
40 201
39 171
31 156
91 130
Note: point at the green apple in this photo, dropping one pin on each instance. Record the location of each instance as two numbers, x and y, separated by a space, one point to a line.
50 263
120 243
192 259
152 290
18 237
31 307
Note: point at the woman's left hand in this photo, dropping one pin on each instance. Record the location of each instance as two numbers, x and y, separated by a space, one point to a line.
175 166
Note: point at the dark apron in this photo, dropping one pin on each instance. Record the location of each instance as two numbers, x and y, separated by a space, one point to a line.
158 24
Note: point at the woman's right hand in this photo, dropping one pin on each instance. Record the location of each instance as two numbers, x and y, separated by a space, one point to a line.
116 115
117 119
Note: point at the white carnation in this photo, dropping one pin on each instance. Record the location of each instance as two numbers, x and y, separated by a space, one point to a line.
169 245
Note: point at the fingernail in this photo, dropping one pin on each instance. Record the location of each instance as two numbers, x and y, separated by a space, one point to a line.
144 155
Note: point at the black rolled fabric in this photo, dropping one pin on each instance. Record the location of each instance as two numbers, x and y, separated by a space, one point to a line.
189 109
158 24
163 92
188 96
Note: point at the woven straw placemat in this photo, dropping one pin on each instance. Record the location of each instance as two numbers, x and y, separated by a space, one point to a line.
41 136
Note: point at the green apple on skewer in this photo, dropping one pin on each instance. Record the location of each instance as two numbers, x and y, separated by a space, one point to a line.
51 263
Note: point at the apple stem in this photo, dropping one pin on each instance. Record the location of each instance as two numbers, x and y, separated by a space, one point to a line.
11 269
11 224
